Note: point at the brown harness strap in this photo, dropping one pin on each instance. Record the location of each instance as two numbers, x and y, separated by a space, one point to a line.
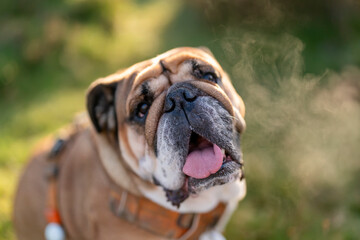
161 221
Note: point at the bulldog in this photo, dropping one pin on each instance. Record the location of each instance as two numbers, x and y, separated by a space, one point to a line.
158 157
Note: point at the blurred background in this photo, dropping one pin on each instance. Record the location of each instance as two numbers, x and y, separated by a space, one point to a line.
295 63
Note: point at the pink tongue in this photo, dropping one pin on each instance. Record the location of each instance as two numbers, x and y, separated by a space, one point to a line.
201 163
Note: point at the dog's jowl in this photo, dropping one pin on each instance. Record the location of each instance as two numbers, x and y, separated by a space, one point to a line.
158 156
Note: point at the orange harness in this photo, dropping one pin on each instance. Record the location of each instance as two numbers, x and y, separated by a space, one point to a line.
161 221
139 211
52 213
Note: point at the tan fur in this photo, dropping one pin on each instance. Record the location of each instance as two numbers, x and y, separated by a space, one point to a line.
93 164
83 202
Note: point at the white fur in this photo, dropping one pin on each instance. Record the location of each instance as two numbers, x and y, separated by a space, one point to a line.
212 235
203 202
147 165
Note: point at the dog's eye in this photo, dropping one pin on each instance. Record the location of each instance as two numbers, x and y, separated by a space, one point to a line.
210 77
142 110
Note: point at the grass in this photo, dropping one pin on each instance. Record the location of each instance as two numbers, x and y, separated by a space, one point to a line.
8 178
301 143
21 133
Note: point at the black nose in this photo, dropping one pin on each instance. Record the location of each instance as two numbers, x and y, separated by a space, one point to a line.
179 96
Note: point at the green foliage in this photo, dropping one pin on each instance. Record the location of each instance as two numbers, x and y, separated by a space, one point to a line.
301 143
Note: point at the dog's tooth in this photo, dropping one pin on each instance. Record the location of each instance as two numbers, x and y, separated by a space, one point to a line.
223 151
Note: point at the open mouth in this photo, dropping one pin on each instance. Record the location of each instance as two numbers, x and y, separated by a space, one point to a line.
204 158
207 165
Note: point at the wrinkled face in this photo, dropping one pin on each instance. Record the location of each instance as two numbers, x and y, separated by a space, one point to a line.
176 119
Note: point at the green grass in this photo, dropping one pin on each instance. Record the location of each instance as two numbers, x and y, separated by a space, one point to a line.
19 135
301 143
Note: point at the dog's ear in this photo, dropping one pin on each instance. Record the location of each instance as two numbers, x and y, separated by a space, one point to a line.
101 104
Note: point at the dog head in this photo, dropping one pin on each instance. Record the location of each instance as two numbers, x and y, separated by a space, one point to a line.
176 120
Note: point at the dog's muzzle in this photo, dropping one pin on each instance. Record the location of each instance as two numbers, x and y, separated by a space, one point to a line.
197 143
